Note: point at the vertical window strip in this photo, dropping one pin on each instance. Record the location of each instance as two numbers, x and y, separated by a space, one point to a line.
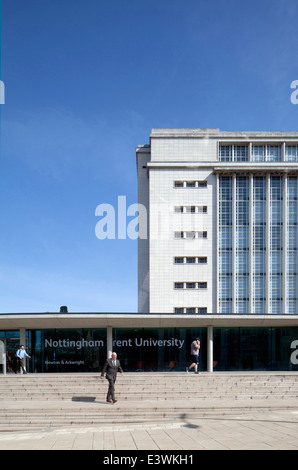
242 245
292 245
225 244
276 244
259 245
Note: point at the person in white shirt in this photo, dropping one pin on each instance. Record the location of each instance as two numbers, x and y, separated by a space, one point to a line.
194 355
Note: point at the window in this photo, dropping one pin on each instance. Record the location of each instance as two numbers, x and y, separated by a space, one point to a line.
225 286
190 209
190 260
273 153
266 153
191 235
258 153
191 310
190 184
240 153
179 285
291 154
233 153
179 235
190 285
179 310
202 310
202 285
225 153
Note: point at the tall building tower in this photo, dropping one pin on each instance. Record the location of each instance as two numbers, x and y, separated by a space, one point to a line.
222 222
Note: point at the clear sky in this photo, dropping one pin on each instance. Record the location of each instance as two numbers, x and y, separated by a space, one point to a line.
85 82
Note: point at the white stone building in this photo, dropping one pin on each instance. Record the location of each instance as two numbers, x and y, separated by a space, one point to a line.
222 222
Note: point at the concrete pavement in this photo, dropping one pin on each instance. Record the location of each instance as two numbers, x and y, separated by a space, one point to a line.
252 430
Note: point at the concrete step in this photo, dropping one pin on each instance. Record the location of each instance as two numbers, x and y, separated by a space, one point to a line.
141 397
206 398
65 390
36 401
28 421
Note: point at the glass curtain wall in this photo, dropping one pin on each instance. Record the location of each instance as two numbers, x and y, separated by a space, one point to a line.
158 349
74 350
255 349
273 272
259 245
242 245
225 244
292 244
276 244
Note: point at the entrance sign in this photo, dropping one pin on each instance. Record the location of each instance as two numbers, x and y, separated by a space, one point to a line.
158 342
66 343
139 342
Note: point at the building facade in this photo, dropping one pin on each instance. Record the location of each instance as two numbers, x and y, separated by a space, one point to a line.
218 260
222 222
80 342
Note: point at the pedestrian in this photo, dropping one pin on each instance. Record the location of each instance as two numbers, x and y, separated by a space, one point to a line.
21 359
110 368
194 355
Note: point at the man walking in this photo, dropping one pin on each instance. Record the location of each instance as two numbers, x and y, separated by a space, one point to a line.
194 355
21 359
110 368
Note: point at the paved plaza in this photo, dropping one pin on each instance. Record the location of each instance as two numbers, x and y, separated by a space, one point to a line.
251 430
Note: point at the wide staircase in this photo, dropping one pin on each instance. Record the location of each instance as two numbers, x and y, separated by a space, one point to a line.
36 401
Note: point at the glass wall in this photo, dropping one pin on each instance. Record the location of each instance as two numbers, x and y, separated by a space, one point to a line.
162 349
254 349
12 343
141 349
75 350
157 349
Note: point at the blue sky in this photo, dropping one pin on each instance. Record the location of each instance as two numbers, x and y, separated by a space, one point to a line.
85 83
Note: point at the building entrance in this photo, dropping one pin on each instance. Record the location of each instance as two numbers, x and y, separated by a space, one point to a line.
156 349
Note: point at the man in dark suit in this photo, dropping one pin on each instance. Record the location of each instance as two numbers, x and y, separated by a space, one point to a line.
110 368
